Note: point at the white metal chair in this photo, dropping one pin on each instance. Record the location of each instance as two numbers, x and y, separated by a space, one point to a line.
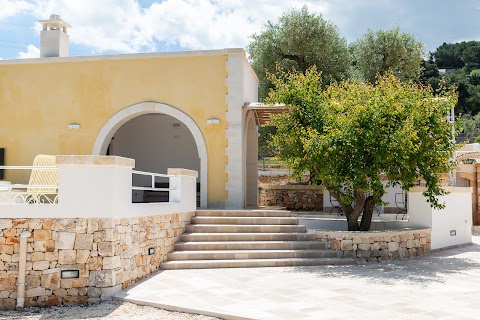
42 186
401 203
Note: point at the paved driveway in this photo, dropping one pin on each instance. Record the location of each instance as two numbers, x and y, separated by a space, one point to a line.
444 285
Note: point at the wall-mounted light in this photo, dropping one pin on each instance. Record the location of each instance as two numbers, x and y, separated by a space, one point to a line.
213 121
151 251
70 274
74 126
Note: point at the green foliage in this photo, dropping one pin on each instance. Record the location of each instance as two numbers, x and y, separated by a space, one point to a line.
297 41
430 74
469 127
353 133
379 52
471 58
265 149
468 86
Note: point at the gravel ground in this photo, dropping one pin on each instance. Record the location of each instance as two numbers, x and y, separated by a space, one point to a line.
104 310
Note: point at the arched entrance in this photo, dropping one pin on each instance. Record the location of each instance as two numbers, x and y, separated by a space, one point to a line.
148 113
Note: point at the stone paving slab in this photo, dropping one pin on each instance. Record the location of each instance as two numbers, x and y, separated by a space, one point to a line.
444 285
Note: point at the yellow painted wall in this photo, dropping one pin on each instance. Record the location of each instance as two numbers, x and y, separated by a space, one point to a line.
39 100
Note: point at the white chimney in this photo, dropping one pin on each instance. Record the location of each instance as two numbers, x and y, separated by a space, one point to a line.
54 37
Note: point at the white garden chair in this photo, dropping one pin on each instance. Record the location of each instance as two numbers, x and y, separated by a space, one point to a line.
42 186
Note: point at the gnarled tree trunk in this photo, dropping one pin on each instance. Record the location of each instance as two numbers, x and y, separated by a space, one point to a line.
352 213
363 206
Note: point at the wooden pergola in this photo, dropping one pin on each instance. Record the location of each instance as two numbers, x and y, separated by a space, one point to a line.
263 113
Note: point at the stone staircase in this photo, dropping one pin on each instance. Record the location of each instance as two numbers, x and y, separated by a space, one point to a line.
248 238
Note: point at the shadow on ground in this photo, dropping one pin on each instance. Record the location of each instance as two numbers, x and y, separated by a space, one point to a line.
423 270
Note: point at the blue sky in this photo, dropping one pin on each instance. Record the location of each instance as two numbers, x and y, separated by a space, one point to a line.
126 26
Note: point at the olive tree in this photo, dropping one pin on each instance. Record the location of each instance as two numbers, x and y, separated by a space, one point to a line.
298 40
383 51
356 134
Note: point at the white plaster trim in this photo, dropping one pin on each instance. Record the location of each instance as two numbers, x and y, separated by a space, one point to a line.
120 118
129 56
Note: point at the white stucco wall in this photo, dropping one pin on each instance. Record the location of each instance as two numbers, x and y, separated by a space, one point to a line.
156 142
388 197
457 216
250 83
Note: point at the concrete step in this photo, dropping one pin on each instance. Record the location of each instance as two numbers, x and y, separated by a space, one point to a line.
221 228
245 220
242 213
250 254
252 263
188 237
249 245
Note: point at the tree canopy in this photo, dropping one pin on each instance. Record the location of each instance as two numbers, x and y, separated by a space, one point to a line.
451 55
354 133
379 52
297 41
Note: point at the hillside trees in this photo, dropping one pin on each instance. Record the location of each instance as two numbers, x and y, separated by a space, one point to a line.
461 61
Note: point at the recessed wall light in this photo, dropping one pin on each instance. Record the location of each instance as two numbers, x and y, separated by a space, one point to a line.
213 121
151 251
70 274
74 126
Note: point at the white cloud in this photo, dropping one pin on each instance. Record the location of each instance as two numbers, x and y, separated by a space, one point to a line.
201 24
32 52
10 8
124 26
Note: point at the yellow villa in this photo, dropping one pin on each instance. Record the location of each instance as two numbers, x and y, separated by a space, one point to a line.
181 109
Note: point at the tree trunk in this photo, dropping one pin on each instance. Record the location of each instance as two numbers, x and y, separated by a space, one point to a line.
352 213
352 222
367 214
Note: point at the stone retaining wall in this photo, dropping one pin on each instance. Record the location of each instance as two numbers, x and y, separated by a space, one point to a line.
380 246
475 230
293 197
110 253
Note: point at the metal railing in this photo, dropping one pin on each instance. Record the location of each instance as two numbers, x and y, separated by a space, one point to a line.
152 181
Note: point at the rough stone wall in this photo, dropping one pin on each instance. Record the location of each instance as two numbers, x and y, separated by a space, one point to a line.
110 253
475 230
299 198
378 246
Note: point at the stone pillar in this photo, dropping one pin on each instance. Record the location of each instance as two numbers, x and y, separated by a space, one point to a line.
235 170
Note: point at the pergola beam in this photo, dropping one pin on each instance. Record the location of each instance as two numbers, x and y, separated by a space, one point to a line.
263 113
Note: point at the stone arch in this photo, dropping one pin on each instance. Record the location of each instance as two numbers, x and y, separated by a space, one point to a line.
123 116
